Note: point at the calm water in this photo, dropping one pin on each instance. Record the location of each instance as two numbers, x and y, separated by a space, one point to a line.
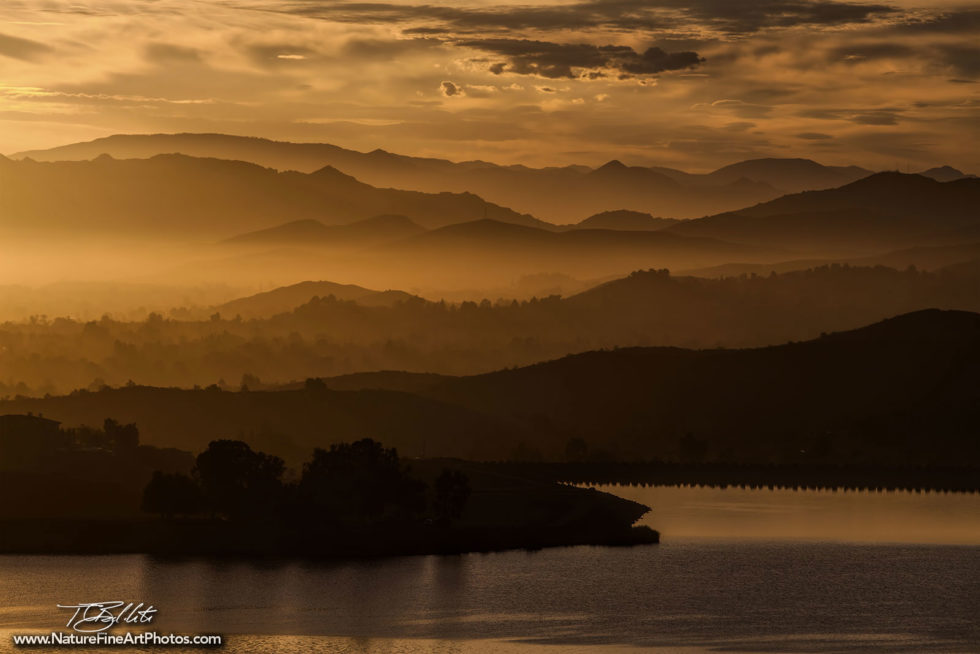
738 571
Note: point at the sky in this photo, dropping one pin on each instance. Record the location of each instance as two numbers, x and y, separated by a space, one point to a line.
694 84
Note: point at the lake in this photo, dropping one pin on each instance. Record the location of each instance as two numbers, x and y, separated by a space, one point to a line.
737 571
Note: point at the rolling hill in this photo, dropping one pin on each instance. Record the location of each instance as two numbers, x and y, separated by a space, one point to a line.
185 197
885 211
361 233
629 221
903 391
560 195
287 298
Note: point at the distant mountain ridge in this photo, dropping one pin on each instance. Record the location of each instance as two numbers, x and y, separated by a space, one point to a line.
287 298
179 194
561 195
309 232
624 220
883 211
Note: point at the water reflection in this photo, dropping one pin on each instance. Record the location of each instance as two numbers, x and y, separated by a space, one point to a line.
814 515
696 592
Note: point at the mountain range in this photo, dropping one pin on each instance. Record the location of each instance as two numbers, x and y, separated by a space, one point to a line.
560 195
881 212
187 197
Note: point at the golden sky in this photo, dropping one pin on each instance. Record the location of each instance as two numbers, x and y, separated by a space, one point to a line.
693 84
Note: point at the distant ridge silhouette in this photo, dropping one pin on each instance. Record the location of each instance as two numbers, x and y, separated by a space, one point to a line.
898 392
558 194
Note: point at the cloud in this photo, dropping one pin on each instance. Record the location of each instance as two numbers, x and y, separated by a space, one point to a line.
882 116
624 15
858 52
958 21
814 136
166 53
449 89
561 60
24 49
964 59
387 49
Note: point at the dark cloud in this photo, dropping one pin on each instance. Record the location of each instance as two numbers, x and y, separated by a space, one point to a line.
626 15
964 59
560 60
814 136
449 89
961 21
18 48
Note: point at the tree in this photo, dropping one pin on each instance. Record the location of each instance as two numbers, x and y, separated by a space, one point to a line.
238 482
172 494
452 492
360 481
123 438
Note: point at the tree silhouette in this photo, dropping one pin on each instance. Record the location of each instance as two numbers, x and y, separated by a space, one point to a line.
452 492
360 481
238 482
172 494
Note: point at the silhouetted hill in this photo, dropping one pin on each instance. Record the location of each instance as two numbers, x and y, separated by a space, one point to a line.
487 250
186 196
790 175
622 219
945 174
901 391
287 298
361 233
559 194
326 336
287 423
925 258
880 212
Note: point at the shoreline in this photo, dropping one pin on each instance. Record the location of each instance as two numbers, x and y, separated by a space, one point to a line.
218 538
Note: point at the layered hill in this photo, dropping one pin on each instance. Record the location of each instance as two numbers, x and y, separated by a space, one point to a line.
181 196
624 220
902 391
287 298
558 194
477 254
323 335
313 233
878 213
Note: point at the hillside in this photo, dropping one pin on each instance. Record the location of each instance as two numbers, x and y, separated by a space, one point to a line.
308 331
187 197
901 391
904 390
790 175
630 221
287 298
361 233
289 423
560 195
881 212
